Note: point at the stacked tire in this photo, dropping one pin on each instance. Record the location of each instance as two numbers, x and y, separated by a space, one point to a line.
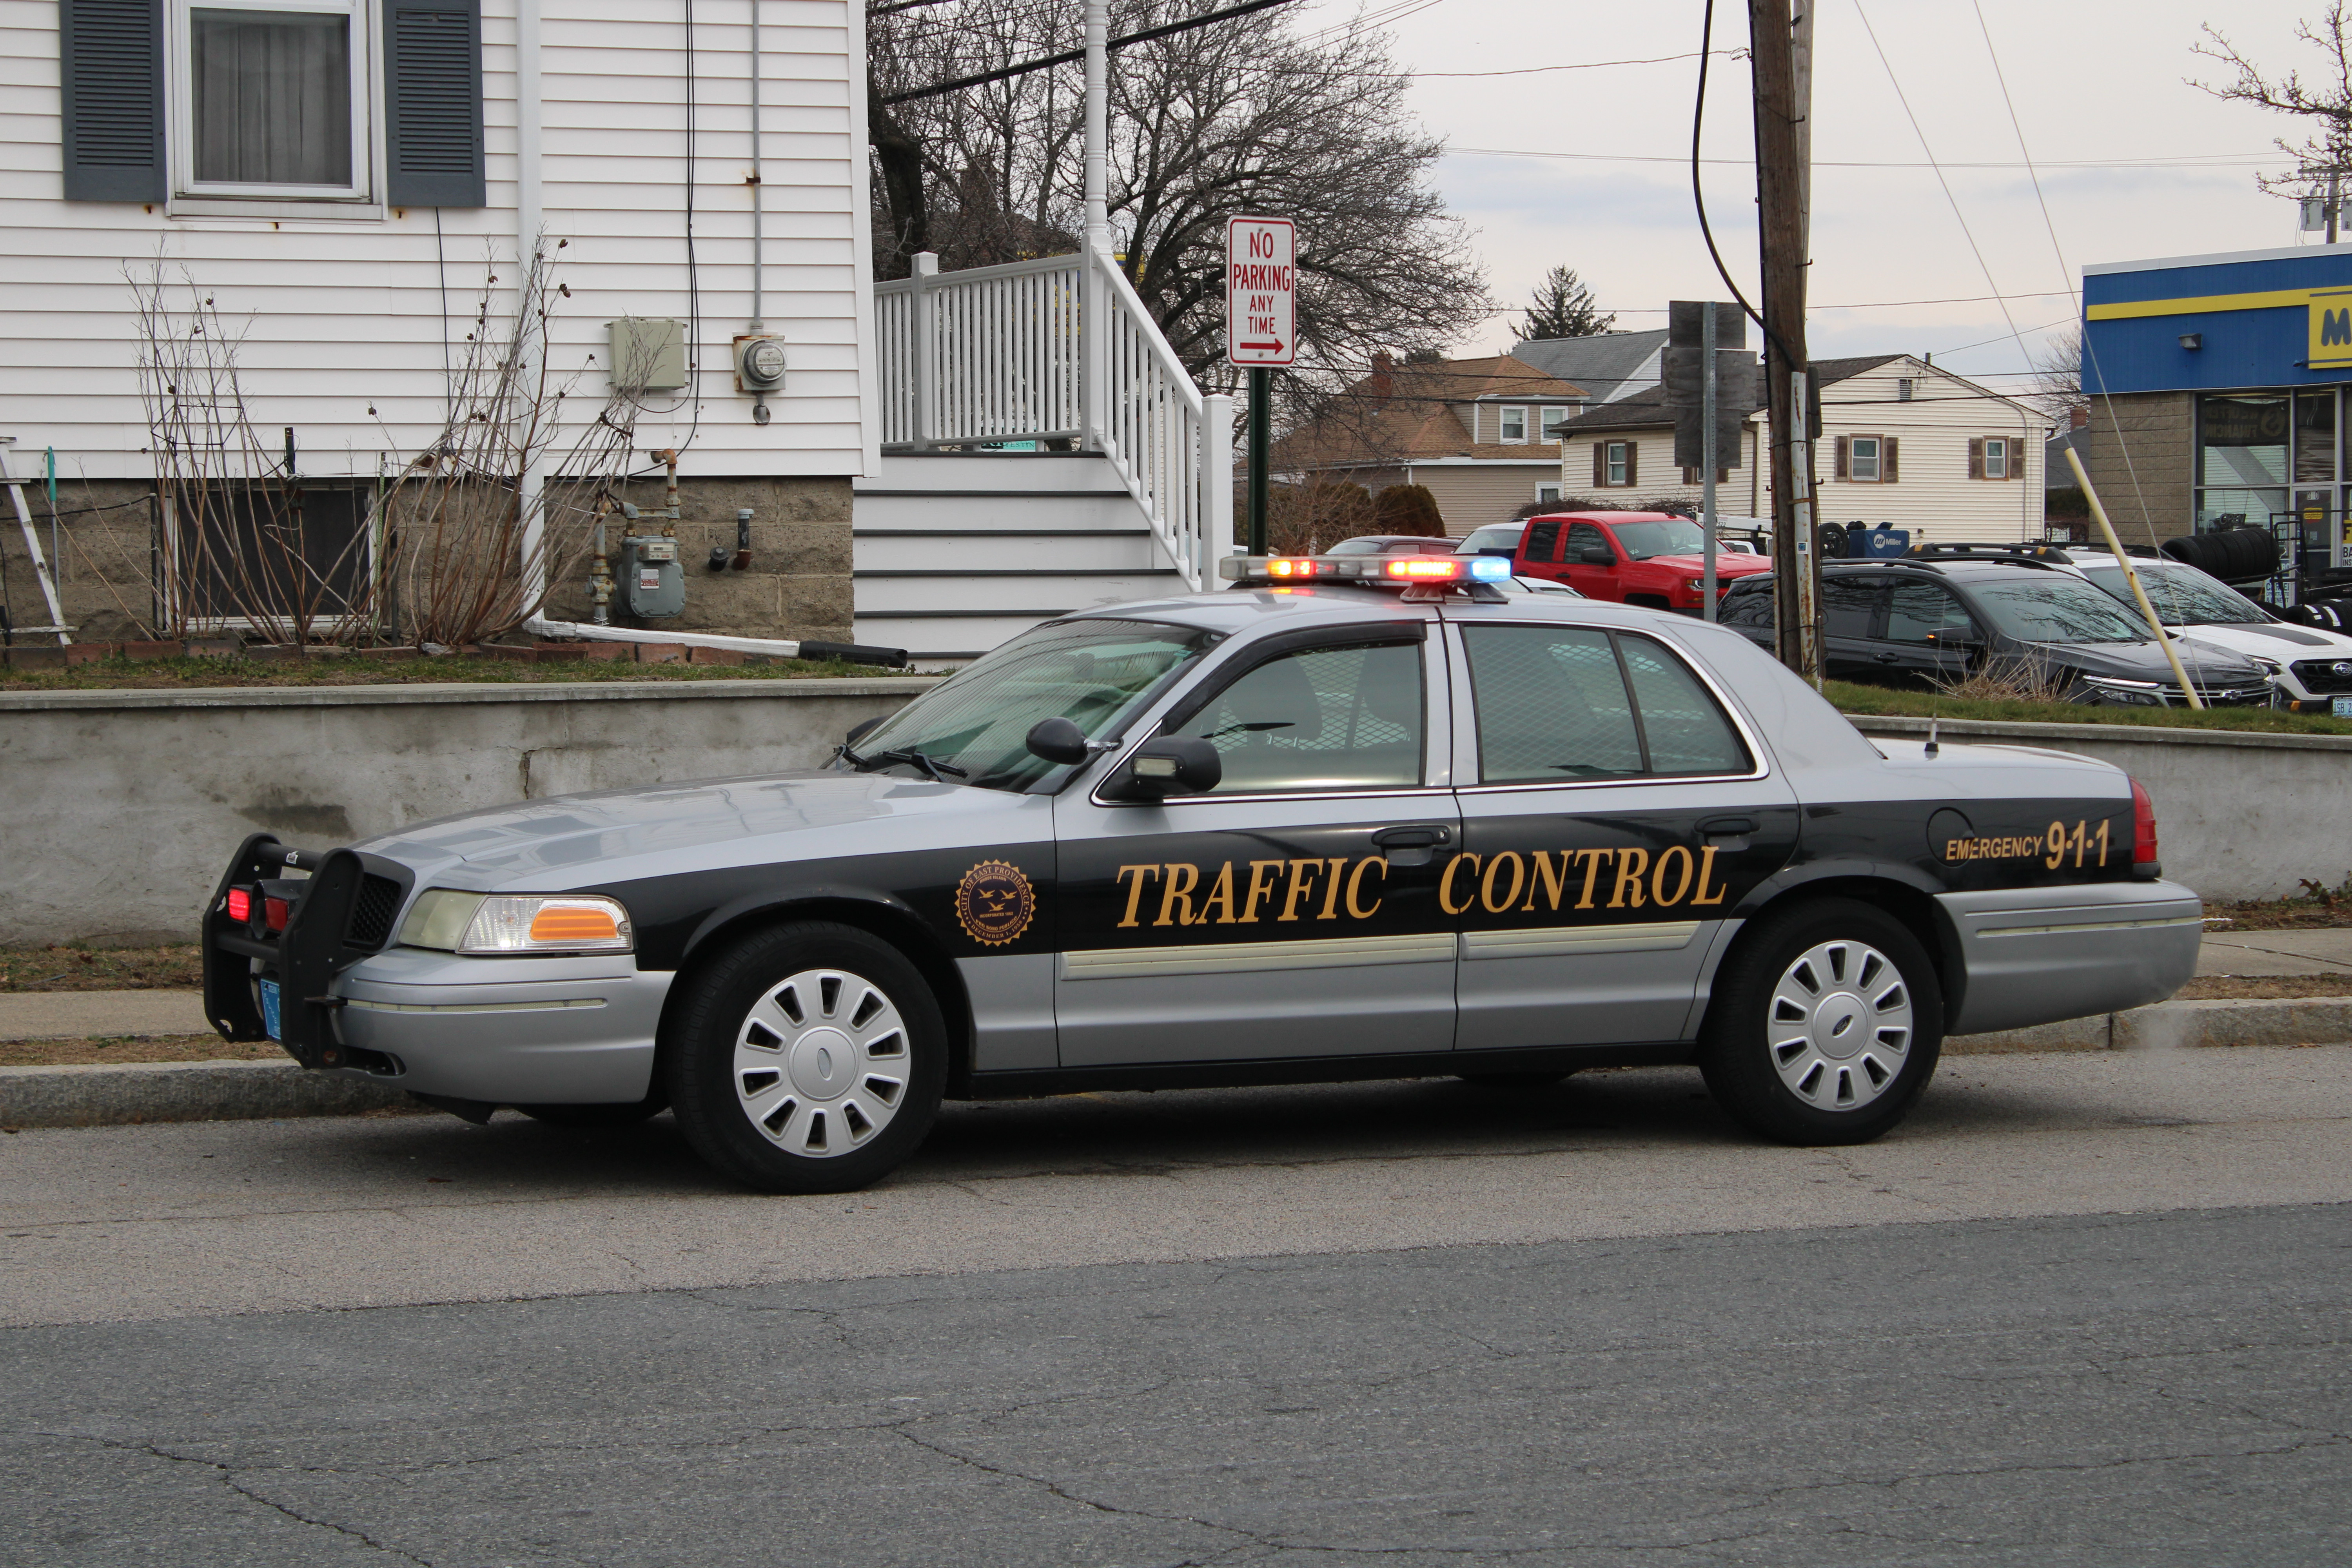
2233 554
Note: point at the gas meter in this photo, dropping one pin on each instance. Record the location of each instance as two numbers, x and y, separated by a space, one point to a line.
653 584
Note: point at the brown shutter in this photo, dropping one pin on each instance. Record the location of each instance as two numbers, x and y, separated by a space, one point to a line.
1837 466
2016 458
1886 469
1690 476
1976 457
1632 462
1600 463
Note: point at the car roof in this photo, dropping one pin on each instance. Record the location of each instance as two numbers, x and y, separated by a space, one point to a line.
1607 517
1249 611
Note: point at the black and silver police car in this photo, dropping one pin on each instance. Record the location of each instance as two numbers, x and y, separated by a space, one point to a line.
1300 831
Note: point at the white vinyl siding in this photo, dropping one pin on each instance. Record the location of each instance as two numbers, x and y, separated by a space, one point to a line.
343 314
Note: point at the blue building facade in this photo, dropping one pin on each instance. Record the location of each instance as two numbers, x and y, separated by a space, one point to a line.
2244 357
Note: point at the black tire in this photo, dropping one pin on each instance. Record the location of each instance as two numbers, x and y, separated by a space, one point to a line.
795 1126
1785 1082
627 1114
1515 1079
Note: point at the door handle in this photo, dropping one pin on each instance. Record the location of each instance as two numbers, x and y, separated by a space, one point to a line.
1412 838
1726 827
1885 658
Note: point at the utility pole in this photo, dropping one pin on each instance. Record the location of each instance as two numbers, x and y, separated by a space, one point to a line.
1782 53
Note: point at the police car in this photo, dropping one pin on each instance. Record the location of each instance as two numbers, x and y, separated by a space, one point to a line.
1304 830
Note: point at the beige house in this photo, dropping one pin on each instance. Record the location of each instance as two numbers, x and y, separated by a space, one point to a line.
1902 443
1473 431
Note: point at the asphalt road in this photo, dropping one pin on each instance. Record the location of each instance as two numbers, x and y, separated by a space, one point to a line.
2083 1309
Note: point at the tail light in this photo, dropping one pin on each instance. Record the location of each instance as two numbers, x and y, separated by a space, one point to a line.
2143 826
240 905
274 911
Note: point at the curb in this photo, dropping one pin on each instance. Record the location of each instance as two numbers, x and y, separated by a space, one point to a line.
237 1090
105 1096
2253 1021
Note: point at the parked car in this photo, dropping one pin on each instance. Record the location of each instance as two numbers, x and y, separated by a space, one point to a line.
1646 558
1496 539
1392 544
1923 622
2307 664
1245 838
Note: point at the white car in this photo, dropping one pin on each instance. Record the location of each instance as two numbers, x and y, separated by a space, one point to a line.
2307 666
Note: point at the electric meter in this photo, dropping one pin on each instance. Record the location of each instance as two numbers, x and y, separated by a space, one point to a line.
759 362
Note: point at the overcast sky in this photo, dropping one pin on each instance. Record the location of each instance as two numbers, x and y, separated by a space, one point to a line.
2133 162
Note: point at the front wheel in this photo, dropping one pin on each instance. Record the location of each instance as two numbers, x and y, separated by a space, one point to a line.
1825 1026
810 1058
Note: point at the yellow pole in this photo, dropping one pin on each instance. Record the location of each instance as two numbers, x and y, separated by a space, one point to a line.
2163 640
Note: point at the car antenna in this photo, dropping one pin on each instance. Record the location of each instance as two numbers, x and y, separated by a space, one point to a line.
1933 748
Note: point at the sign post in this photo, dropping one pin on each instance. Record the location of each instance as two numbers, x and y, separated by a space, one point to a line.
1261 288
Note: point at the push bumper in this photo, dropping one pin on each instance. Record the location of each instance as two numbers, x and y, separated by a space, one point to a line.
2038 956
505 1031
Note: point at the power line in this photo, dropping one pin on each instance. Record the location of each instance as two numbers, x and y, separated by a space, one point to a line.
1068 57
2215 161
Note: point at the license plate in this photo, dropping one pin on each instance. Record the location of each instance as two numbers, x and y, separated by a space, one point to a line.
2343 708
269 1008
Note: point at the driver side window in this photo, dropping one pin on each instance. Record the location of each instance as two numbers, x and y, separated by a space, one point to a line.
1319 718
1916 610
1584 536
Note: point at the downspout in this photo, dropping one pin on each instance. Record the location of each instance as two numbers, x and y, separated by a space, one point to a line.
528 220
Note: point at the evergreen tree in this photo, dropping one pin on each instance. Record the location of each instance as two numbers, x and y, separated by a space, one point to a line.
1562 308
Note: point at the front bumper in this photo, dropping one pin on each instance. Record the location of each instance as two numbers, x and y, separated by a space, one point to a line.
506 1031
2038 956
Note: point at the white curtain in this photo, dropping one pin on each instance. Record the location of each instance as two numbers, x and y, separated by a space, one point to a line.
273 97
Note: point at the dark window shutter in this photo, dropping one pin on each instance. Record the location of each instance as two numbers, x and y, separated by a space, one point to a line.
1632 462
1690 476
2016 470
433 103
1887 471
1838 464
1976 457
1600 463
110 69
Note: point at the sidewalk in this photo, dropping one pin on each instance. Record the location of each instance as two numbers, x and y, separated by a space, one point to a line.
98 1015
2228 951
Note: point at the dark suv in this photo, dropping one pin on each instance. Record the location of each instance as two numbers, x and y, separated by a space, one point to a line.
1923 621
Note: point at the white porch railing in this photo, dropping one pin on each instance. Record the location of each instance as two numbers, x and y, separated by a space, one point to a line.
1001 353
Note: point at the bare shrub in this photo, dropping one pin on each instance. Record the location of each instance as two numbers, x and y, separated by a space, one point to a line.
2016 679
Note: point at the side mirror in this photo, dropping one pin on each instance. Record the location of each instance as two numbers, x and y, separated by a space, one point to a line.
1597 555
1057 740
857 730
1172 765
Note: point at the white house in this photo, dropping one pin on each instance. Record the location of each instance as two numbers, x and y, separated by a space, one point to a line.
340 177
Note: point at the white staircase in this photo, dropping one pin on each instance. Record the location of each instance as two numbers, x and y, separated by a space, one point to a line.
959 547
954 553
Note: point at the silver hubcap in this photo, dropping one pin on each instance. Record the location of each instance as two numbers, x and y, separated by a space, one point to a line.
1840 1025
821 1063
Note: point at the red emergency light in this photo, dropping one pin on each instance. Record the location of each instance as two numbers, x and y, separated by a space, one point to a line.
1426 568
240 905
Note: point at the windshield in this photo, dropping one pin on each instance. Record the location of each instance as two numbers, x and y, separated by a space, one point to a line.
1673 536
1501 536
2183 596
2054 609
1091 672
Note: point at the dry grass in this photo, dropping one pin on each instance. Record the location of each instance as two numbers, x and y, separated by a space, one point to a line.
1852 699
172 674
114 1050
2234 987
77 968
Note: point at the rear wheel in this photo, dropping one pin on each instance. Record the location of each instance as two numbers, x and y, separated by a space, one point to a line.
1825 1027
810 1058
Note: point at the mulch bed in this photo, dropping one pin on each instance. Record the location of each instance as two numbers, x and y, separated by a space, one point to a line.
101 968
137 1048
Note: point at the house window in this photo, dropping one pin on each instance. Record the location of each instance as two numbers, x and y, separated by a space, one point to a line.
1553 419
1996 457
1546 495
1515 424
1861 460
272 99
1617 463
1903 384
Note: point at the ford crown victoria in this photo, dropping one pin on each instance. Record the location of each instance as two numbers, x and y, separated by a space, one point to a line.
1300 831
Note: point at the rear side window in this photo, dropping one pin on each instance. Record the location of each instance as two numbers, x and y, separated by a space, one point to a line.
1558 704
1543 540
1748 603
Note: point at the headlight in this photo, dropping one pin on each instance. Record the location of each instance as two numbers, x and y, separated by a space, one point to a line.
2144 693
2267 666
453 921
1695 585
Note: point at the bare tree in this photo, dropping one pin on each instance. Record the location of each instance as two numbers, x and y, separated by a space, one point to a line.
2326 101
2056 388
1239 117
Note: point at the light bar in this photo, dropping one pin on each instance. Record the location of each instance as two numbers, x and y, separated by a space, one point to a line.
1383 570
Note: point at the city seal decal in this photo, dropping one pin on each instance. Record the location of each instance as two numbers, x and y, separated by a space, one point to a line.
994 902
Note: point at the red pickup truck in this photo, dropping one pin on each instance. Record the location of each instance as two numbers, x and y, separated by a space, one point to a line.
1632 557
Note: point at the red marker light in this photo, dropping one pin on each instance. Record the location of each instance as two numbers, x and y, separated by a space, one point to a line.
240 905
1425 568
275 912
2143 826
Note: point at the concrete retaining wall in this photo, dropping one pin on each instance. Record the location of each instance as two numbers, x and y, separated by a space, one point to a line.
2237 816
122 806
